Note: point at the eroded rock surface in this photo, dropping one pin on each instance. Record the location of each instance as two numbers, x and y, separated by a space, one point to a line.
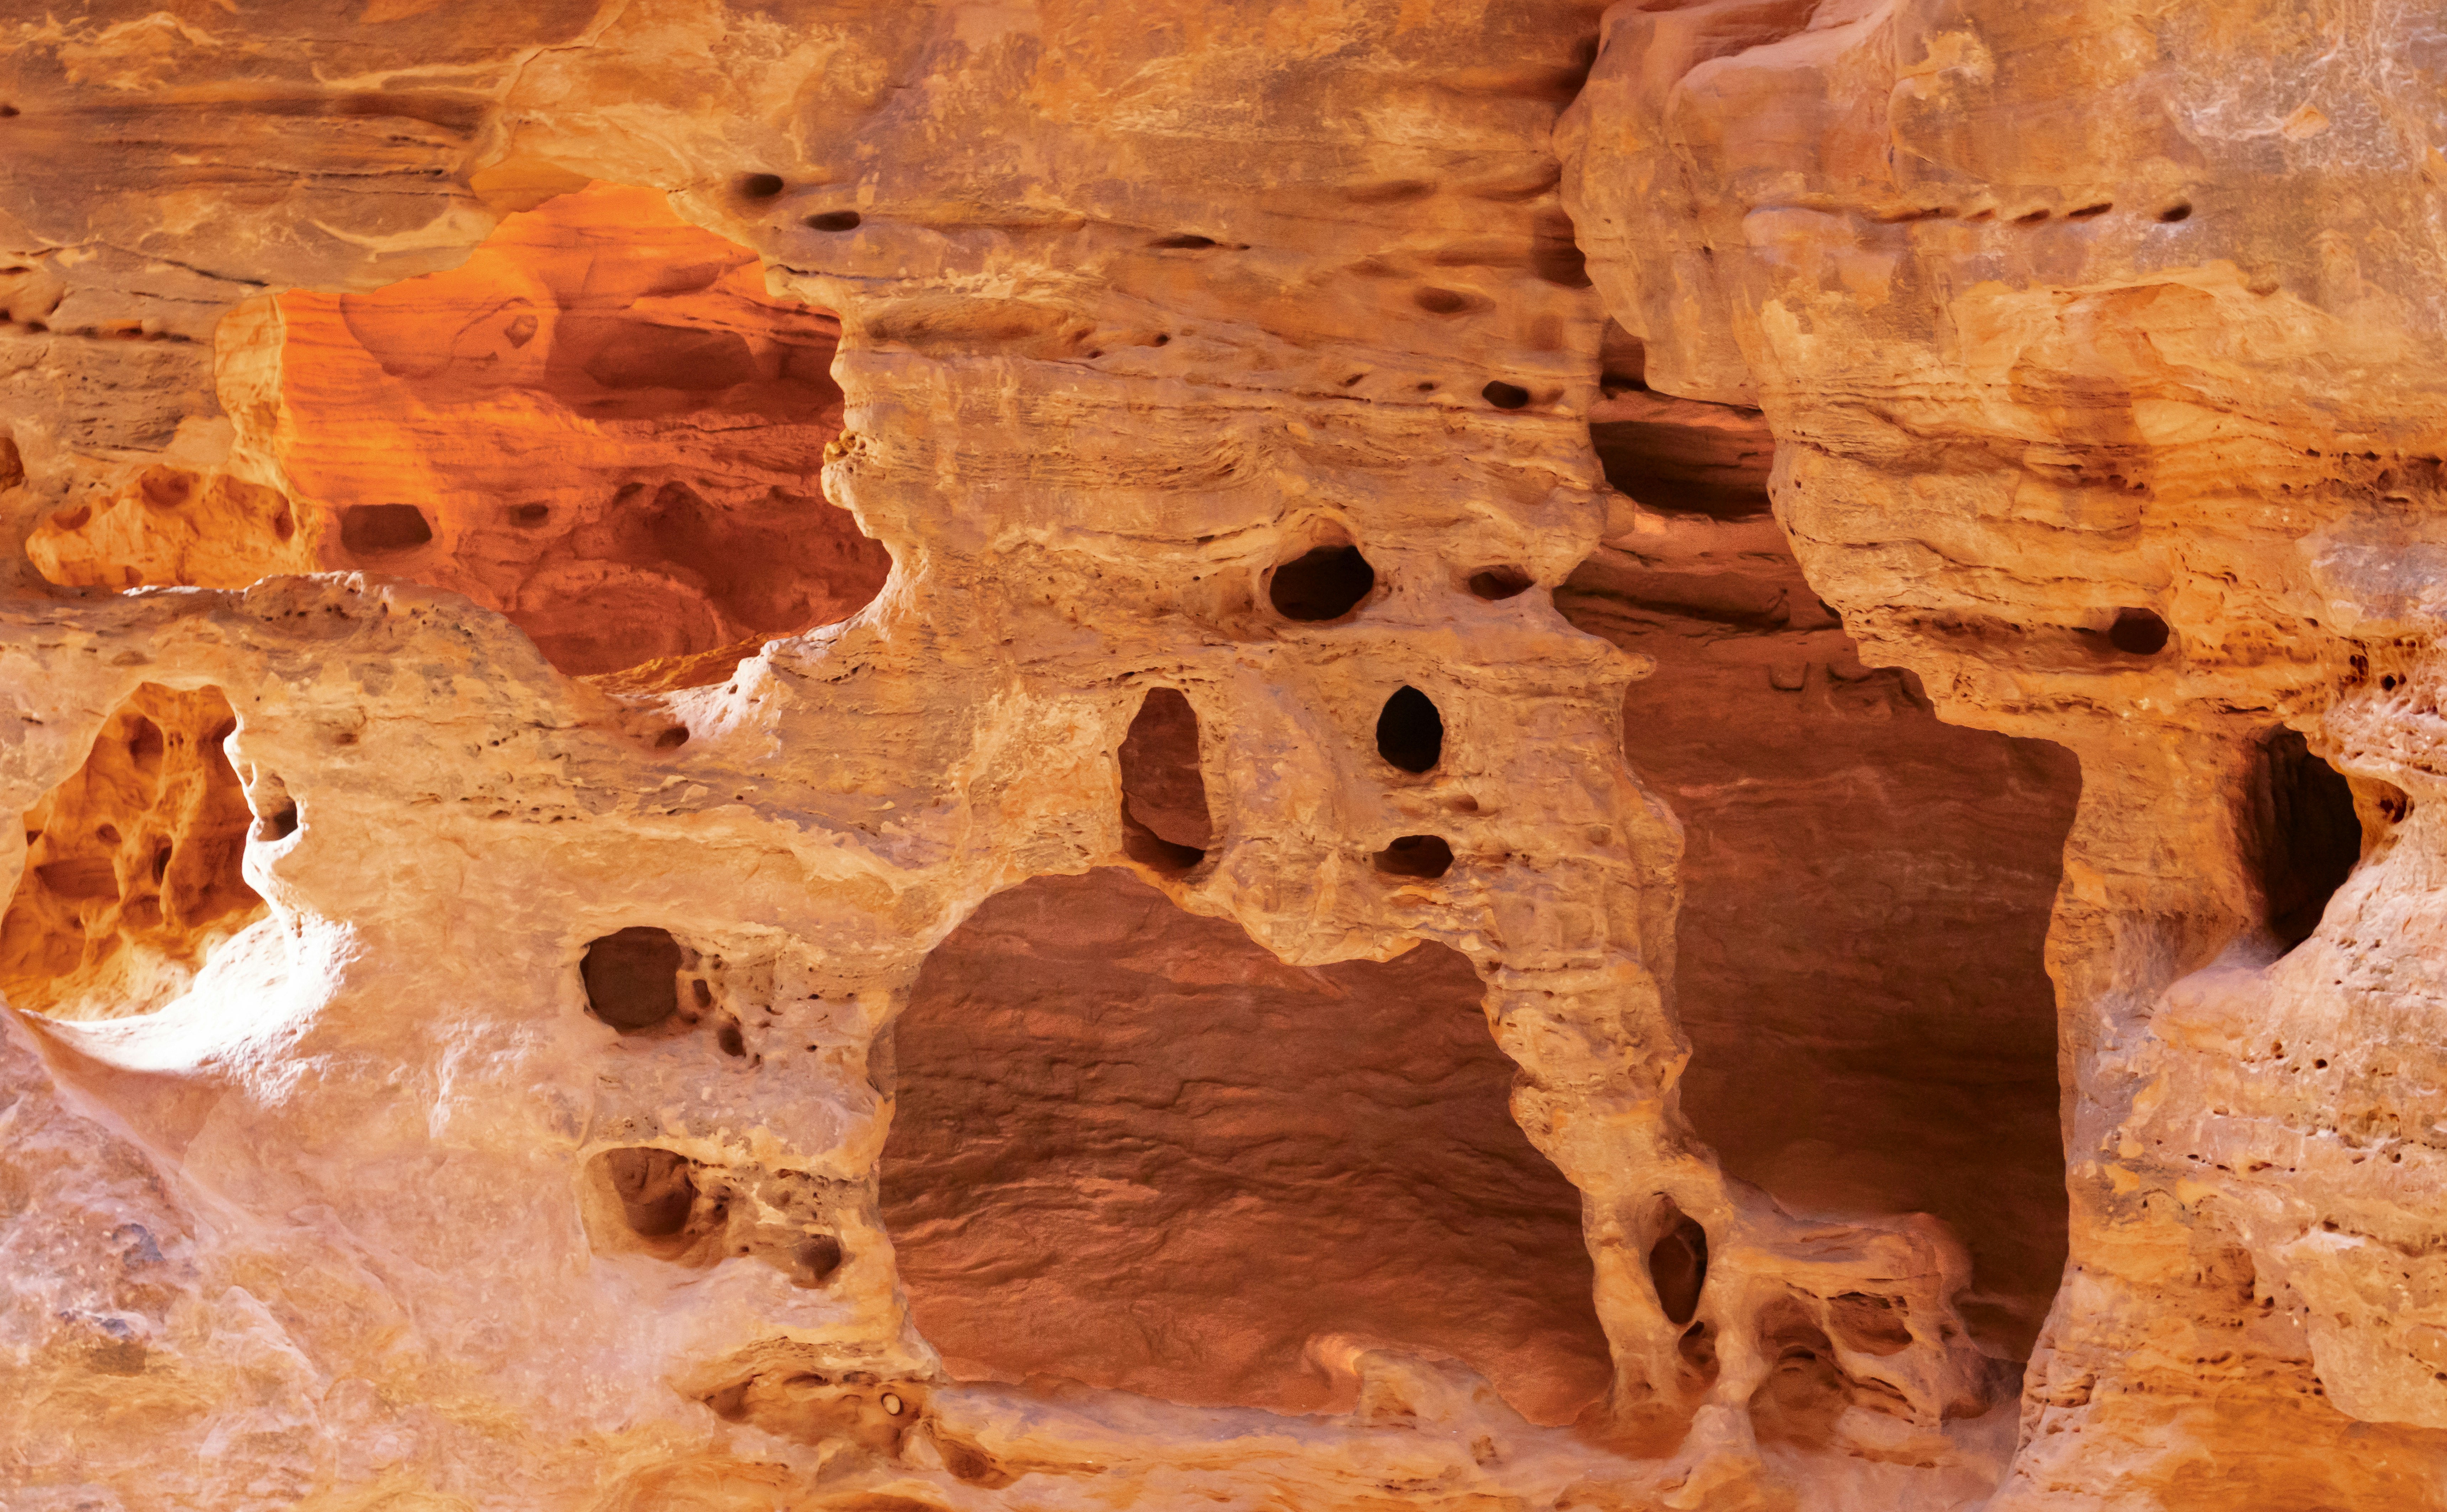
802 663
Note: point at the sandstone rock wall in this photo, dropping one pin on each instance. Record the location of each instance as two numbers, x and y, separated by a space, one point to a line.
786 574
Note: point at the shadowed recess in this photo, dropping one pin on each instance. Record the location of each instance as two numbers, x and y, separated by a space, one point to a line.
1325 583
1164 792
2305 836
1867 892
632 977
1132 1148
1410 730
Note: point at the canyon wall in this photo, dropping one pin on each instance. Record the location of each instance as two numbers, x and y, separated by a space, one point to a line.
1005 755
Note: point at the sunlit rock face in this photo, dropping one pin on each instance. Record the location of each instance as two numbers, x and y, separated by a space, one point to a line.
1538 757
599 424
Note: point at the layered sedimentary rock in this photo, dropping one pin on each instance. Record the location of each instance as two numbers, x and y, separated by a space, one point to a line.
1007 756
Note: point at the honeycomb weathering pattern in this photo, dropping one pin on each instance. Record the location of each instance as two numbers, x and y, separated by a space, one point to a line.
2069 326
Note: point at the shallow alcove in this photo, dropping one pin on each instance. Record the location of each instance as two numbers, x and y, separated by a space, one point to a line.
1676 455
2304 837
133 866
601 425
1131 1149
1164 819
1867 892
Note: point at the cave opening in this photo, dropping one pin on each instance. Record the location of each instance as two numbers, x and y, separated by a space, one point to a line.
652 417
2305 839
1164 819
1860 955
1322 584
1410 730
1132 1148
134 866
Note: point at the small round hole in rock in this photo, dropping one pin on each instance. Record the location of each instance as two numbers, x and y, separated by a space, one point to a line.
528 516
1678 1264
1504 395
1410 731
834 220
760 186
1185 241
1416 856
371 530
2137 632
632 977
671 739
1498 584
1443 301
816 1260
655 1191
1326 583
732 1042
2174 213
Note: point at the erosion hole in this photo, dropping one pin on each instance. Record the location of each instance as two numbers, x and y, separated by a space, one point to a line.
655 1189
835 220
374 530
1923 1075
1678 1262
2138 632
1675 455
817 1260
1326 582
1416 856
1164 819
760 186
1496 585
1108 1112
134 864
1410 732
632 977
2308 839
1504 395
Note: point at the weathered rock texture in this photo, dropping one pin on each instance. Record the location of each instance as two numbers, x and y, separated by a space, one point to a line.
899 674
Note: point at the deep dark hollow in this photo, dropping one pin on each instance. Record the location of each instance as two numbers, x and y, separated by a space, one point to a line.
1677 1265
1410 732
633 978
2307 836
1504 395
760 186
1416 856
1326 583
371 530
834 220
2137 632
